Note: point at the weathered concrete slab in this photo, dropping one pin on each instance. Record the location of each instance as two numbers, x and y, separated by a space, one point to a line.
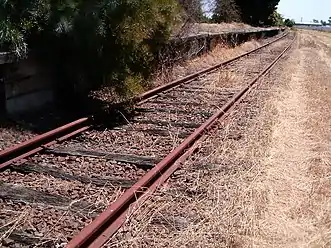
190 45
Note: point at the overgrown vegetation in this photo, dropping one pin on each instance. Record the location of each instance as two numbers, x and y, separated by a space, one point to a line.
114 43
109 42
276 19
289 22
91 43
19 19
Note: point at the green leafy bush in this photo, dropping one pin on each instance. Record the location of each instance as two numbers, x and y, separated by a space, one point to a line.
276 19
110 42
289 22
18 20
91 42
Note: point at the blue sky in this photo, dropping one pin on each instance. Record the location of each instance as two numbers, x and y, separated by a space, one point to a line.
297 9
305 9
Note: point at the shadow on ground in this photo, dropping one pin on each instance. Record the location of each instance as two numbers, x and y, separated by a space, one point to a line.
103 115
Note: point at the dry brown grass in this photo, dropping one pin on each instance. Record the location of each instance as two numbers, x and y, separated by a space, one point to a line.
195 209
219 54
260 181
298 203
205 204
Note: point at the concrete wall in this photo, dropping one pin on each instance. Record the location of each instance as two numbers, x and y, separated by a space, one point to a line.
28 86
181 49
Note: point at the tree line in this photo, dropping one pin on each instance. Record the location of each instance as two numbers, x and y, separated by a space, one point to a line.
254 12
324 23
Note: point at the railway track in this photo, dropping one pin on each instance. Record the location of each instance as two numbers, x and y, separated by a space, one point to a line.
60 189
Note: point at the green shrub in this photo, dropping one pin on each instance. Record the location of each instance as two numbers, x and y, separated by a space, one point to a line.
289 22
18 20
110 42
276 19
90 42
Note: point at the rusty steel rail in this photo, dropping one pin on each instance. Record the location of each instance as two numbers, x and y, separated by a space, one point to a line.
108 222
37 144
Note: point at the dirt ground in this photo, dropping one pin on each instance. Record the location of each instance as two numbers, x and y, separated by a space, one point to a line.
263 179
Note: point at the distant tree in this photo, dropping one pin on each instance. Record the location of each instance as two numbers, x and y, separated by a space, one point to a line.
289 22
257 12
329 20
276 19
192 10
226 11
315 21
324 23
